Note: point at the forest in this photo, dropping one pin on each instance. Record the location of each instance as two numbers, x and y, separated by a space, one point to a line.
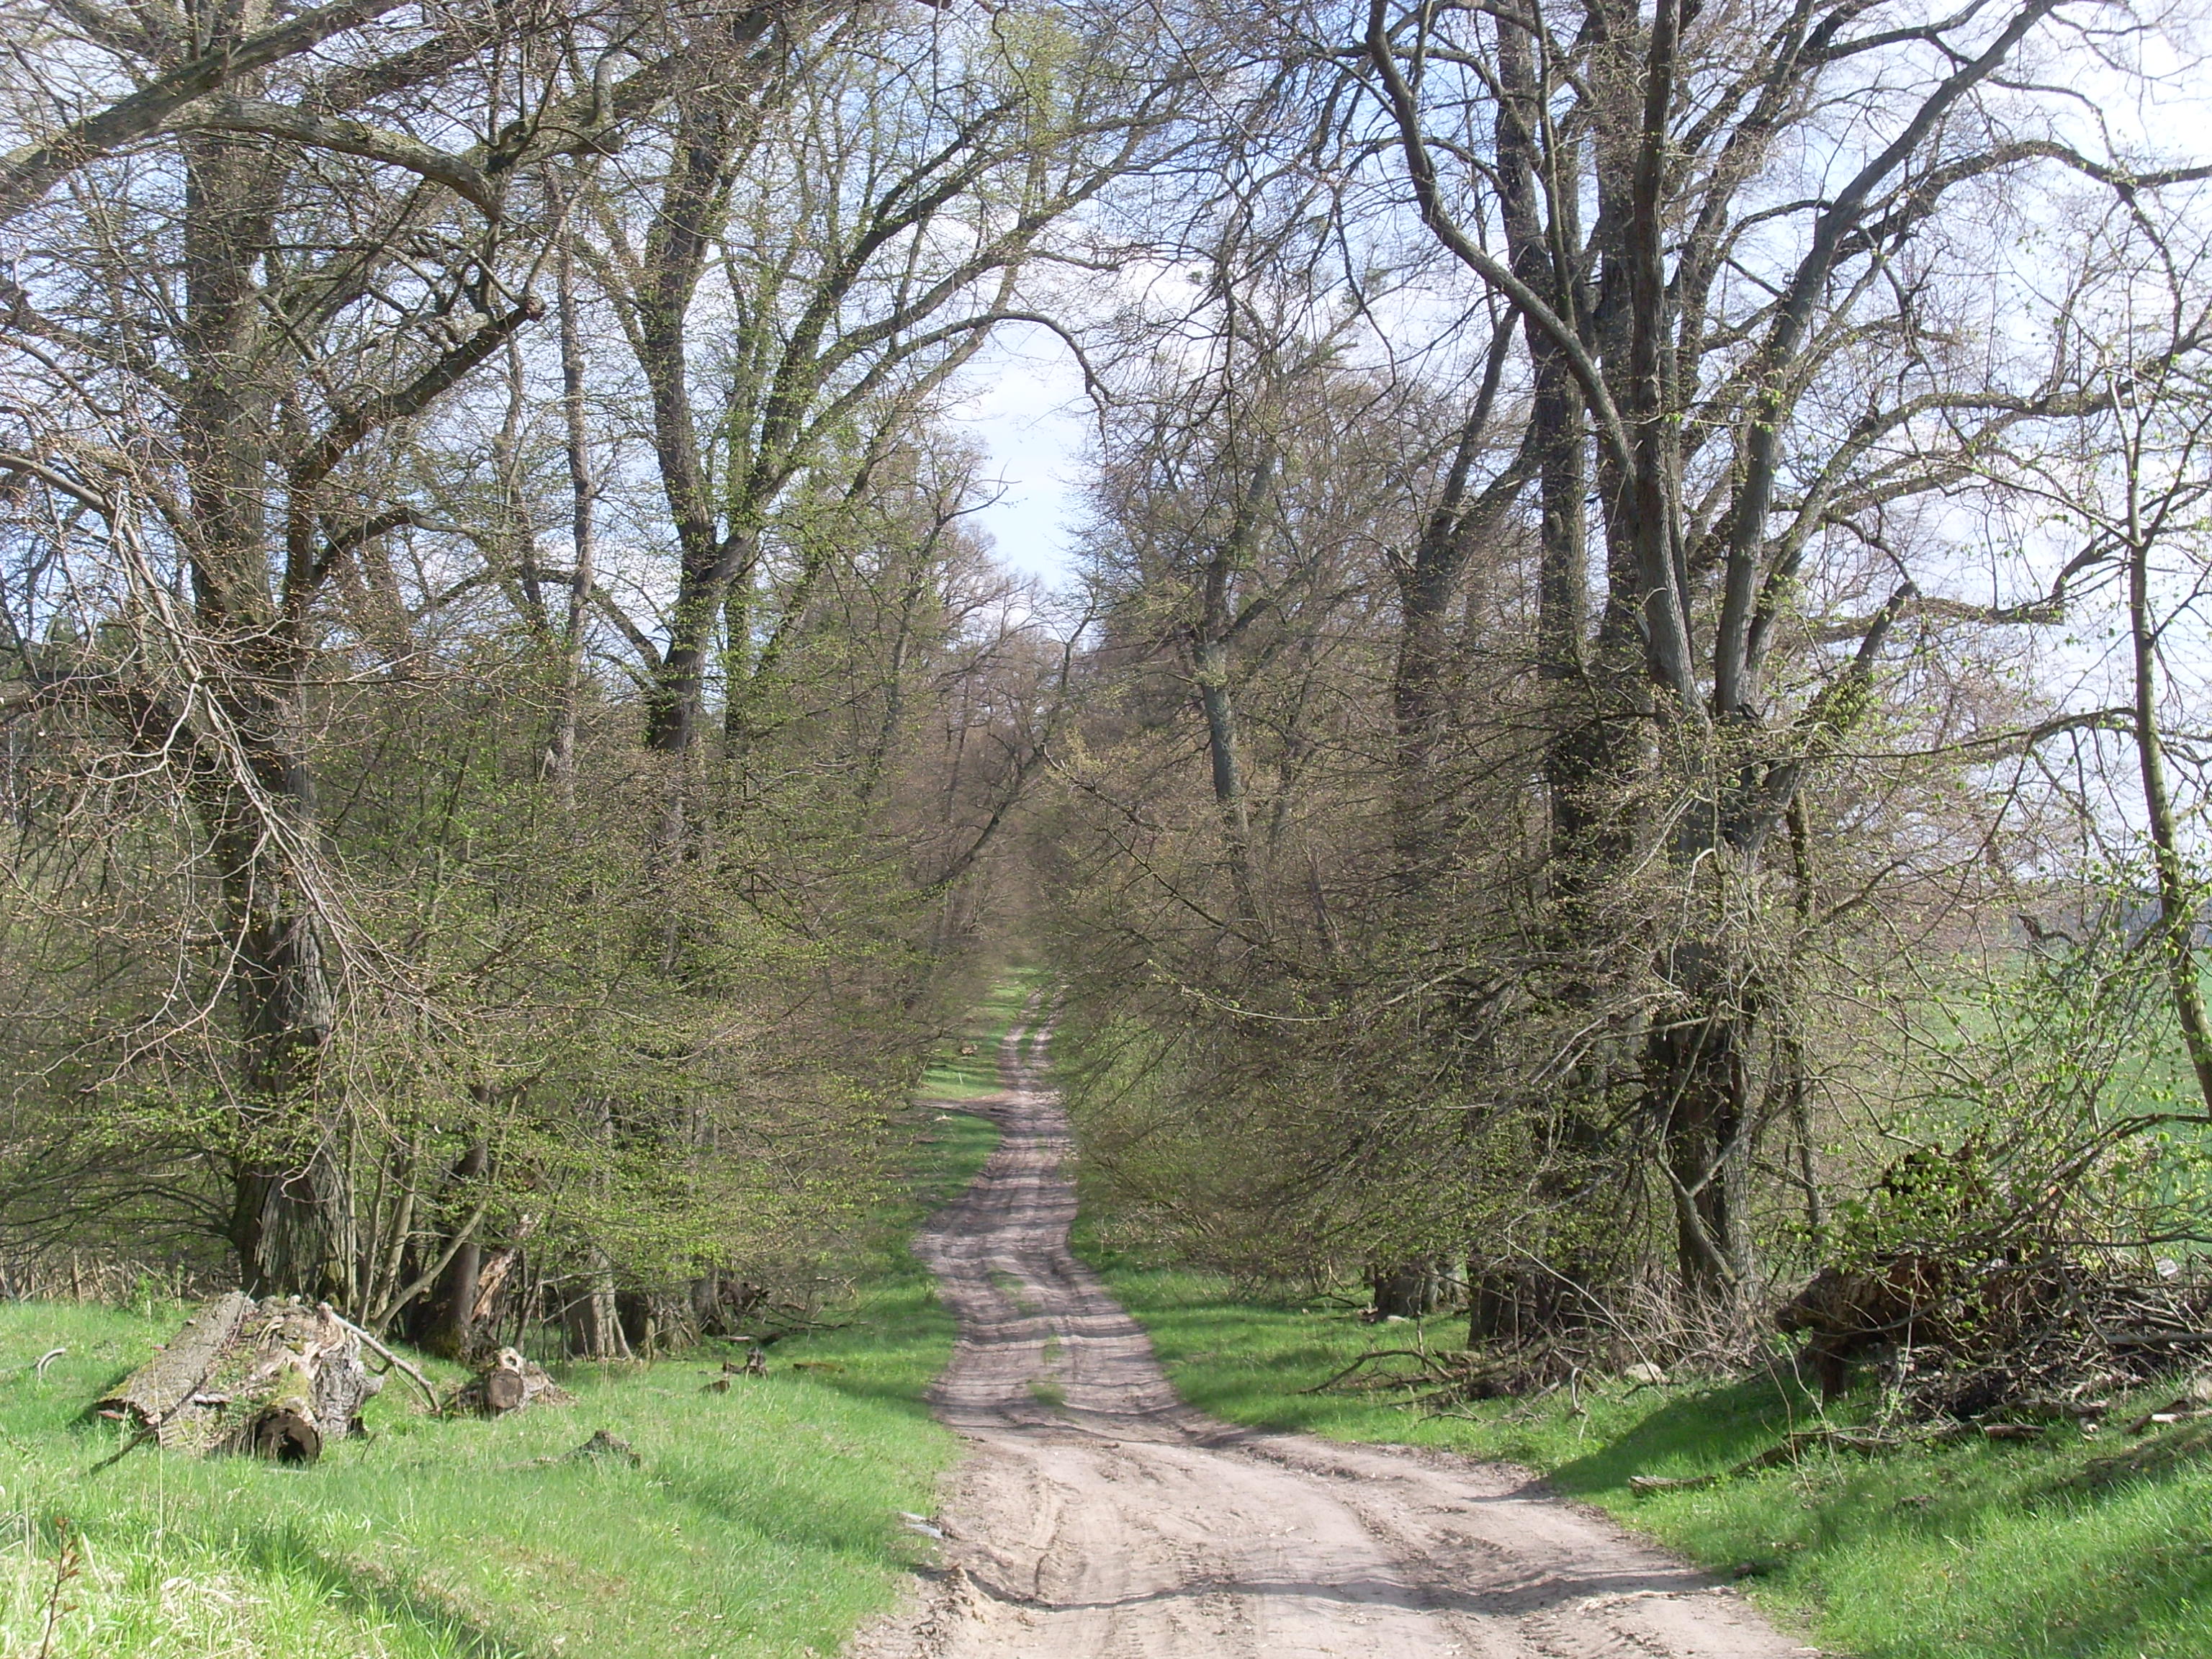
1621 723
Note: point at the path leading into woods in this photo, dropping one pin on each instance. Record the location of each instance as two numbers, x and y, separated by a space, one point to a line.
1095 1515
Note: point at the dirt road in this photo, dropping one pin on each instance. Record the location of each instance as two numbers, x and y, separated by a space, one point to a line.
1097 1516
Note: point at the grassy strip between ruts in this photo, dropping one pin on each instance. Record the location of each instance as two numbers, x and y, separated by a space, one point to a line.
764 1521
2092 1548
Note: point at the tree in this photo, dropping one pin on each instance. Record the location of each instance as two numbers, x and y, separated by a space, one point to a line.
1714 324
846 240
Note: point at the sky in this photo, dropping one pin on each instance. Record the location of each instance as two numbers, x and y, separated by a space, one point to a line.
1029 414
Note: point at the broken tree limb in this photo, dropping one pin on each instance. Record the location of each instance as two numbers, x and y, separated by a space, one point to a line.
1788 1449
1670 1482
601 1448
399 1365
498 1266
129 1446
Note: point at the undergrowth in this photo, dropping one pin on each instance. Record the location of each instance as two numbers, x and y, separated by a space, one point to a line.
2088 1548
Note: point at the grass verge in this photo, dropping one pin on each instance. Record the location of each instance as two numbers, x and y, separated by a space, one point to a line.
2090 1548
952 1075
762 1522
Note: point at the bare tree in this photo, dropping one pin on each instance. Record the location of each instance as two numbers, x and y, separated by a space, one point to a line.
1708 322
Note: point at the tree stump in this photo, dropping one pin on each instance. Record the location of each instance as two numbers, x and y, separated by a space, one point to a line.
276 1379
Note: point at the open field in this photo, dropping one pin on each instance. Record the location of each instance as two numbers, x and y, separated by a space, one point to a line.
2089 1547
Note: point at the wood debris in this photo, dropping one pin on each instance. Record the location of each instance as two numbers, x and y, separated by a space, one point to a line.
276 1378
510 1384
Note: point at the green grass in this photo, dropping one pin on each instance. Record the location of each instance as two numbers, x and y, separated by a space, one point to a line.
2089 1548
764 1521
954 1076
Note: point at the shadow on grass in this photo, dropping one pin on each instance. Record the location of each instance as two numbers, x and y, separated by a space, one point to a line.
853 1528
2043 1548
287 1556
901 1392
1693 1434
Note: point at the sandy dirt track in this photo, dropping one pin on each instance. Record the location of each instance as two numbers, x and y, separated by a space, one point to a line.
1097 1516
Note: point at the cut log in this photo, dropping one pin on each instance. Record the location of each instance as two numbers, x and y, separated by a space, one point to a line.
276 1379
510 1384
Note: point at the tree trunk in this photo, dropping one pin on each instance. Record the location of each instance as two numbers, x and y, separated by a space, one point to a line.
1411 1289
583 575
1228 771
2177 902
1696 1091
278 1223
592 1318
1418 696
452 1325
280 1219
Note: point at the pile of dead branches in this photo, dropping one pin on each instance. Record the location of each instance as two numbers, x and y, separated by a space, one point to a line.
1963 1345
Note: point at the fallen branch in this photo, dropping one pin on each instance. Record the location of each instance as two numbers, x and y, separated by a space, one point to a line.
412 1374
150 1431
1426 1359
602 1447
2156 1338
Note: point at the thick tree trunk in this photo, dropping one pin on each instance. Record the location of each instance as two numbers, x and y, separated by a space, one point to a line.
1411 1289
676 253
281 1224
451 1327
1420 696
278 1222
1696 1090
591 1316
